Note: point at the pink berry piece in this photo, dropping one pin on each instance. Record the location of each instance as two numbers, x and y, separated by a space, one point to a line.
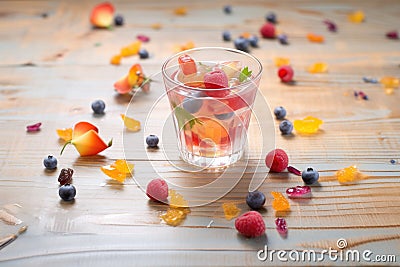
281 226
268 30
286 73
250 224
294 170
392 35
330 25
216 79
277 160
157 190
299 192
34 127
143 38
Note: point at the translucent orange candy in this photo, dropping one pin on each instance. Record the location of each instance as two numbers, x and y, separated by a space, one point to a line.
188 45
356 17
130 123
65 134
281 61
318 67
349 175
180 11
119 170
177 200
390 82
123 166
315 38
174 216
230 210
131 49
308 125
280 203
115 60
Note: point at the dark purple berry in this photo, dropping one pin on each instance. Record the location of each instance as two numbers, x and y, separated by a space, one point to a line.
255 200
310 175
50 162
152 140
67 192
118 20
98 106
143 53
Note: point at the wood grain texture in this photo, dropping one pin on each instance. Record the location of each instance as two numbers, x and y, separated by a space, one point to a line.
52 68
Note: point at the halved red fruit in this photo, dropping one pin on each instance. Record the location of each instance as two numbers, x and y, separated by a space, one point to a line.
102 15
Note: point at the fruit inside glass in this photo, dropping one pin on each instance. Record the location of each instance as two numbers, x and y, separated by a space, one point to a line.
211 92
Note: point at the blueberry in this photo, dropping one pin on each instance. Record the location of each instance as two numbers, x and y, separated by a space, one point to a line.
286 127
67 192
253 40
50 162
309 175
98 106
192 104
118 20
224 116
255 200
152 140
241 44
393 161
280 112
271 17
143 54
228 9
226 36
283 39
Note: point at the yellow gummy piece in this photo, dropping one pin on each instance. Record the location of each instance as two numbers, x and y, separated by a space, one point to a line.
280 203
115 60
390 82
308 125
174 216
230 210
180 11
131 49
281 61
113 173
130 123
315 38
188 45
177 200
318 67
348 175
123 166
156 26
65 134
356 17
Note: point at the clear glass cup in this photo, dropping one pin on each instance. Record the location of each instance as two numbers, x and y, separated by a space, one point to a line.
211 123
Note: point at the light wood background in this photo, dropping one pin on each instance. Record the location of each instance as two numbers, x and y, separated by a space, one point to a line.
52 68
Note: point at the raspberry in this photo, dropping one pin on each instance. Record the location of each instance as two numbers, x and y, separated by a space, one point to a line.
215 80
65 176
277 160
286 73
157 190
268 30
250 224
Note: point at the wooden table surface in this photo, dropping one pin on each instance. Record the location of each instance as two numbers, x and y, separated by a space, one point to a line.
52 67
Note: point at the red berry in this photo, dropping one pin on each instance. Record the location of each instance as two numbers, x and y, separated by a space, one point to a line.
157 190
268 30
277 160
215 80
187 64
250 224
285 73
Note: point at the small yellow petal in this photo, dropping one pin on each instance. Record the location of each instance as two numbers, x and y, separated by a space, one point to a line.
130 123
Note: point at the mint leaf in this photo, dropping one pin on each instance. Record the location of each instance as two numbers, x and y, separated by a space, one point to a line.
183 117
244 74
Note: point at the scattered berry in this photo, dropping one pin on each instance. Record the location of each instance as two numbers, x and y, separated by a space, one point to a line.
192 104
286 127
152 140
215 80
228 9
271 17
118 20
250 224
224 116
280 112
65 176
255 200
67 192
281 226
286 73
370 80
50 162
98 106
393 161
143 38
310 175
268 30
253 41
392 35
157 190
277 160
241 44
299 192
143 53
330 25
34 127
226 36
294 170
283 39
